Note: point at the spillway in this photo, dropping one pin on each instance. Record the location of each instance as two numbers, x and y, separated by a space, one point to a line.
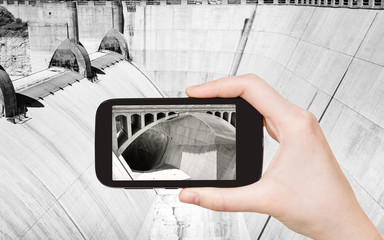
327 60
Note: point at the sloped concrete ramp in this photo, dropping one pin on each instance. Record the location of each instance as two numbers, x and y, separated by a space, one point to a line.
48 185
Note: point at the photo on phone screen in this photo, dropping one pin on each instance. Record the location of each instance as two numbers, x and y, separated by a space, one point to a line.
174 142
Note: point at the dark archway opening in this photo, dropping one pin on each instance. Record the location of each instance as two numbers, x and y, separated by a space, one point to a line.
135 123
121 129
233 119
225 116
148 118
160 115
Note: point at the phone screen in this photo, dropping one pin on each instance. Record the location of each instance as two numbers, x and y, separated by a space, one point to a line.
174 142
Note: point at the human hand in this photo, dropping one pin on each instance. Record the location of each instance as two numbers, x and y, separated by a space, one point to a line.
304 186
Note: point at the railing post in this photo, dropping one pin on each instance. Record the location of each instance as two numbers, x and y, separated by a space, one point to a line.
371 3
287 2
142 118
129 125
333 3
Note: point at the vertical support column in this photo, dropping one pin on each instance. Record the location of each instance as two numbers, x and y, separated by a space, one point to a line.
73 25
359 3
114 135
142 120
333 3
155 117
261 2
371 3
275 2
117 16
204 2
224 2
243 2
287 2
129 125
143 3
163 2
184 2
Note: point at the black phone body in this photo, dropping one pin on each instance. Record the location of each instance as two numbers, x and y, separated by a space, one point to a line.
178 142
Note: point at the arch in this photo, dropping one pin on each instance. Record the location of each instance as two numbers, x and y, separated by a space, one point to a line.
74 57
115 41
135 123
160 115
217 114
233 119
149 118
171 113
225 116
8 103
209 112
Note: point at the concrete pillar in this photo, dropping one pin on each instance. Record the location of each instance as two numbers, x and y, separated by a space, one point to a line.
73 25
143 3
371 3
163 2
16 3
359 3
275 2
155 117
114 135
129 125
117 16
261 1
184 2
333 3
224 2
243 2
287 2
142 120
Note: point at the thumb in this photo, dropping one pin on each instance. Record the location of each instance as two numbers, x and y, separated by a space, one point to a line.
251 198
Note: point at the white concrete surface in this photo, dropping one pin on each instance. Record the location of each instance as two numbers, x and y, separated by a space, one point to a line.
304 52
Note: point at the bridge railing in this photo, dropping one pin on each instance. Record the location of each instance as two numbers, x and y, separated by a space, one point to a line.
373 4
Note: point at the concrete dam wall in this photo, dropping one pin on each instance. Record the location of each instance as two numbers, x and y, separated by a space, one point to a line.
327 60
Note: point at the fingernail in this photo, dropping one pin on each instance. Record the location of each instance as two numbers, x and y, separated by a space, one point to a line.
190 197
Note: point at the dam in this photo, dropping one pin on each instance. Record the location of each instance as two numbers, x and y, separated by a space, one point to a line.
325 56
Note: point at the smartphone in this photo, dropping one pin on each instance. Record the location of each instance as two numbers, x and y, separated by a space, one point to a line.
178 142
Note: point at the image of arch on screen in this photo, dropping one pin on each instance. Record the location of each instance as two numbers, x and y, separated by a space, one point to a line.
174 142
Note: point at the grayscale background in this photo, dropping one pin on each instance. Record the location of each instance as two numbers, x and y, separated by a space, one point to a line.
326 56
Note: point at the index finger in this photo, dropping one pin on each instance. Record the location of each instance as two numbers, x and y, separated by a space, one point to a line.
250 87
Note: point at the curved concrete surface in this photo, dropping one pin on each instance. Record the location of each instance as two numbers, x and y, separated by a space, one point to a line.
327 60
48 186
188 142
